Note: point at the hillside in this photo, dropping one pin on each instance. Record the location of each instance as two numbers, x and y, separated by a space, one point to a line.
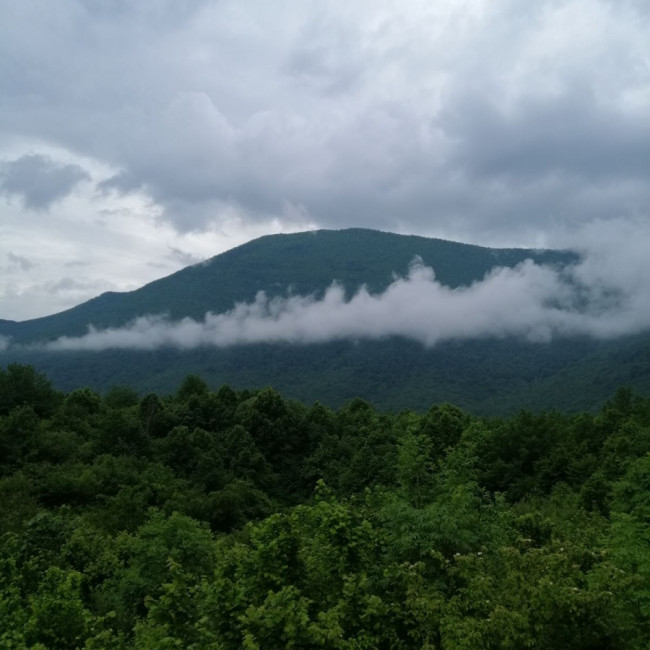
305 262
490 376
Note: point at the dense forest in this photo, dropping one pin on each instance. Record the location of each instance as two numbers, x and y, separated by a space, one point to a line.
483 376
240 519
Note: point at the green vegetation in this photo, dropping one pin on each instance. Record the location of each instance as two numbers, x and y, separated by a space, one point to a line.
484 376
240 519
305 262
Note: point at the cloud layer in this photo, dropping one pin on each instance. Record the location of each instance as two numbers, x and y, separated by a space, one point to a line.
496 115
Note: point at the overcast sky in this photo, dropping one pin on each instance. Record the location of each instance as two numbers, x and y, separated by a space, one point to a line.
139 137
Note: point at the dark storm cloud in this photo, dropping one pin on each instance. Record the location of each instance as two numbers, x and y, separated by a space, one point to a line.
39 180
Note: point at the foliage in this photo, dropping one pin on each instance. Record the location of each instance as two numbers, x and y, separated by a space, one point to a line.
226 520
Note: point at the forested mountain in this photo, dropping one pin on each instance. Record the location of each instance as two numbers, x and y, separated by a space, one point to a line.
305 262
485 375
240 519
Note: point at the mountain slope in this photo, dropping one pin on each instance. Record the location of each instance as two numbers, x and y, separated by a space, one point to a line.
490 376
305 262
495 376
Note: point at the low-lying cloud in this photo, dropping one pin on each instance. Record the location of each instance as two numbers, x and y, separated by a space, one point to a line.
531 301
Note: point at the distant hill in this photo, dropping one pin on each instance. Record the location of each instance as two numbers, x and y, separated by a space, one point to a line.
488 376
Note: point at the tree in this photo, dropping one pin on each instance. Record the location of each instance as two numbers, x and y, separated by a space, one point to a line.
21 384
415 467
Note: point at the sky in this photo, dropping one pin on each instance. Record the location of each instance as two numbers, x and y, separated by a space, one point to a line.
139 137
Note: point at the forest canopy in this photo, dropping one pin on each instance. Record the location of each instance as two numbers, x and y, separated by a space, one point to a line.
240 519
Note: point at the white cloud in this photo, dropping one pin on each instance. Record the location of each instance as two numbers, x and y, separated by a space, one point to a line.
93 242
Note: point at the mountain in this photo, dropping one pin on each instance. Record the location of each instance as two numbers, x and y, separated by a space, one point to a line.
486 376
305 262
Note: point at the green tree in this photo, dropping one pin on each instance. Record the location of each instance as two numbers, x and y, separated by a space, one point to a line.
416 467
22 385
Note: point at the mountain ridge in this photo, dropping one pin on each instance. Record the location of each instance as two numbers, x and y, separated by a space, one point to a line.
353 257
484 375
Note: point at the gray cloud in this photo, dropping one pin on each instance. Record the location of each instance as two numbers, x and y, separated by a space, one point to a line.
499 121
57 289
326 57
70 284
38 180
19 262
183 257
567 135
76 263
